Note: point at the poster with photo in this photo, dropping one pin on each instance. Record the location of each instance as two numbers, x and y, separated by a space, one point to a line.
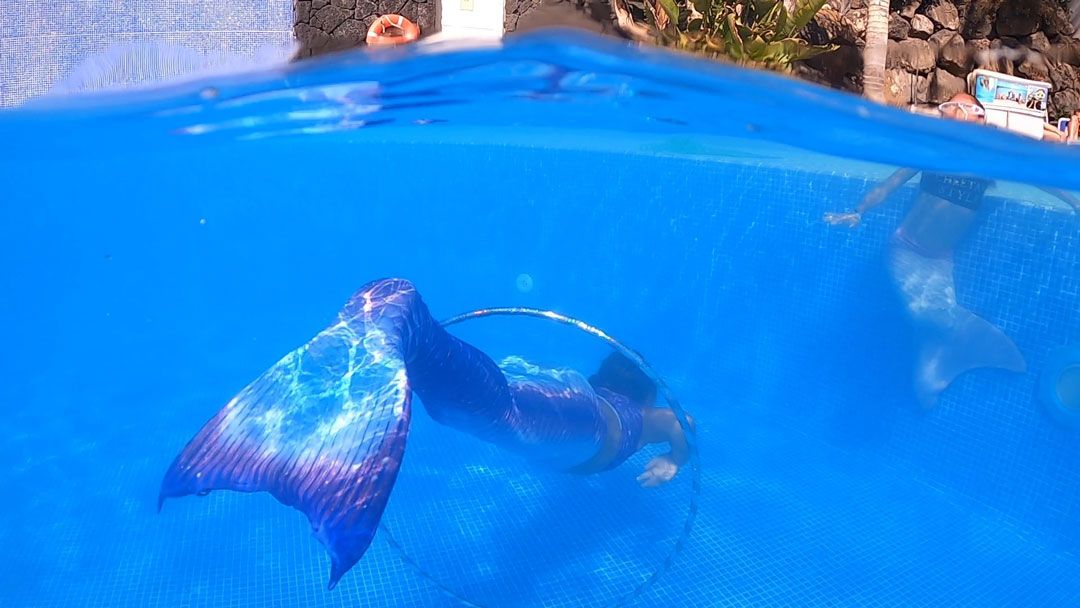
1005 93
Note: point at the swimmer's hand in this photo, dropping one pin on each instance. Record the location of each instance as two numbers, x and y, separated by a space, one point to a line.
659 471
847 219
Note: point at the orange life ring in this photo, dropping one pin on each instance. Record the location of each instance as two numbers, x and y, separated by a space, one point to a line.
392 29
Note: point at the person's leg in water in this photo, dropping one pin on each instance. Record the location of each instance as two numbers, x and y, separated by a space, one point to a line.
952 339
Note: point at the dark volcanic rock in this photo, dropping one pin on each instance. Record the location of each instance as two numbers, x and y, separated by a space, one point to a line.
944 14
1018 18
898 27
951 52
944 85
921 27
912 54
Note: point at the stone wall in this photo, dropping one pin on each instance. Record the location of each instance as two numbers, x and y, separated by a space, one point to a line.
329 25
516 9
935 44
592 15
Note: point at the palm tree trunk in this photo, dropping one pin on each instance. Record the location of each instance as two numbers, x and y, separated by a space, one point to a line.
877 43
636 31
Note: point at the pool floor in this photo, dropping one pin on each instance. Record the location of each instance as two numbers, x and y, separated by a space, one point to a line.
784 521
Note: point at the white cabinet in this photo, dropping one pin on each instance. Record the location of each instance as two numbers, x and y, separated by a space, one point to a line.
1011 102
471 18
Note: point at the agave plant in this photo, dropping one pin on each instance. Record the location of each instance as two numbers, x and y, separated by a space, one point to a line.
759 33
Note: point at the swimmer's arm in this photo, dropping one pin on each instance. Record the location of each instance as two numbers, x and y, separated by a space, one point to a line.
1067 197
665 428
661 426
882 191
873 198
680 450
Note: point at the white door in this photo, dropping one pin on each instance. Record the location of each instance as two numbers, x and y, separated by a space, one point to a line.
472 18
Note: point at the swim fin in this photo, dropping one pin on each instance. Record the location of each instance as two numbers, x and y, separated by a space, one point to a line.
322 431
971 343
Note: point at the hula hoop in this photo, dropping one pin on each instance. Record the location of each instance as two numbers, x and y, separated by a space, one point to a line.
673 403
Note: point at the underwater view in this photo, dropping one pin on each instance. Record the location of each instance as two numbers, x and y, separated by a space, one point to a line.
547 322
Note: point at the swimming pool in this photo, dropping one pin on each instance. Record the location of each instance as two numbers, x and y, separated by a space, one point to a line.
164 251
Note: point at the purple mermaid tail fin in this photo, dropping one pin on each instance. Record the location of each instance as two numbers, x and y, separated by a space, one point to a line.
322 431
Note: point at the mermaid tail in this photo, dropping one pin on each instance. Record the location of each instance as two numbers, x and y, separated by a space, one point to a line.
953 339
323 430
971 343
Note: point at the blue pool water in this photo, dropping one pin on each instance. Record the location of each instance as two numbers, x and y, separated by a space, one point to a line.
163 248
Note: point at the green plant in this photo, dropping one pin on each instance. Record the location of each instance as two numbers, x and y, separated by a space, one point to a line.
759 33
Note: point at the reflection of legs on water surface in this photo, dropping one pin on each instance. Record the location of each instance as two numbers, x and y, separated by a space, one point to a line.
952 339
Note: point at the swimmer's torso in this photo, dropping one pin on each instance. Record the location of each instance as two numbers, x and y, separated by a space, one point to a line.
943 212
553 417
556 416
